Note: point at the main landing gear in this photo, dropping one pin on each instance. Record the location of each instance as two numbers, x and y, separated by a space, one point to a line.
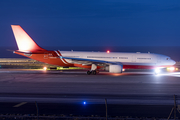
94 72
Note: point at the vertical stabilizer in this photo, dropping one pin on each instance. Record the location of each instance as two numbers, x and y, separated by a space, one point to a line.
23 40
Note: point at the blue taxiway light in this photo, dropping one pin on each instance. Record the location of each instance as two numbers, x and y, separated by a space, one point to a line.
84 103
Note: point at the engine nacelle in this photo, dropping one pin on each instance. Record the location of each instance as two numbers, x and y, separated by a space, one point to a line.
114 68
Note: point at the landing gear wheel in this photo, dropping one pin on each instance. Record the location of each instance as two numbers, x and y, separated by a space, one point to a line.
88 72
94 72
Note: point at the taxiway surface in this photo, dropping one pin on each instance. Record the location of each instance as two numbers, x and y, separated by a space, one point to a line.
75 87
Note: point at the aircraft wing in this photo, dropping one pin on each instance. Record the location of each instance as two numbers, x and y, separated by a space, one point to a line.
88 61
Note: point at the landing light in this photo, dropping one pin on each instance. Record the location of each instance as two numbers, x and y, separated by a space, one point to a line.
171 68
108 51
157 70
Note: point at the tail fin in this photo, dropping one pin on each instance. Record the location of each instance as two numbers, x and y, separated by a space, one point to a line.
24 41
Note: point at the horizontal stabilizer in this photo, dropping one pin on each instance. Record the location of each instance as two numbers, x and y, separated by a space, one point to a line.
26 52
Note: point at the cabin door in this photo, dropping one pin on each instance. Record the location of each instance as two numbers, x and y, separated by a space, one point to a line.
133 58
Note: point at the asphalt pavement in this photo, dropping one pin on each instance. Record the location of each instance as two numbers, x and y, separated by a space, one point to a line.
133 93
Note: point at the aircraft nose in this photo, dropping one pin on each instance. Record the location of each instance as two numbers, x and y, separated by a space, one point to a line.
173 62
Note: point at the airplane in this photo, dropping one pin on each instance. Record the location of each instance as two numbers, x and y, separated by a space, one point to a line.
114 62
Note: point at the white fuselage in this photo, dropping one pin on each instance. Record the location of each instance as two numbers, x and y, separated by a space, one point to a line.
147 59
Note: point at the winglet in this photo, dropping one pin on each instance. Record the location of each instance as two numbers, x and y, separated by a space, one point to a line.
23 40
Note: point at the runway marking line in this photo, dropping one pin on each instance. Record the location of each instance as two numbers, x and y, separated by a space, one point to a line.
20 104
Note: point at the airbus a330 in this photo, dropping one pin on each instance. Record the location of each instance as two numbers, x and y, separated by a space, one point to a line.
114 62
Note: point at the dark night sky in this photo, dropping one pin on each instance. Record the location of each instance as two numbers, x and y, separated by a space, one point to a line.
93 22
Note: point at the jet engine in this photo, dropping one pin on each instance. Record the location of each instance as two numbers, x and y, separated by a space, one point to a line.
114 68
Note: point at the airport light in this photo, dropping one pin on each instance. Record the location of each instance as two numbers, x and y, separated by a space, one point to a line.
44 68
108 51
84 103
